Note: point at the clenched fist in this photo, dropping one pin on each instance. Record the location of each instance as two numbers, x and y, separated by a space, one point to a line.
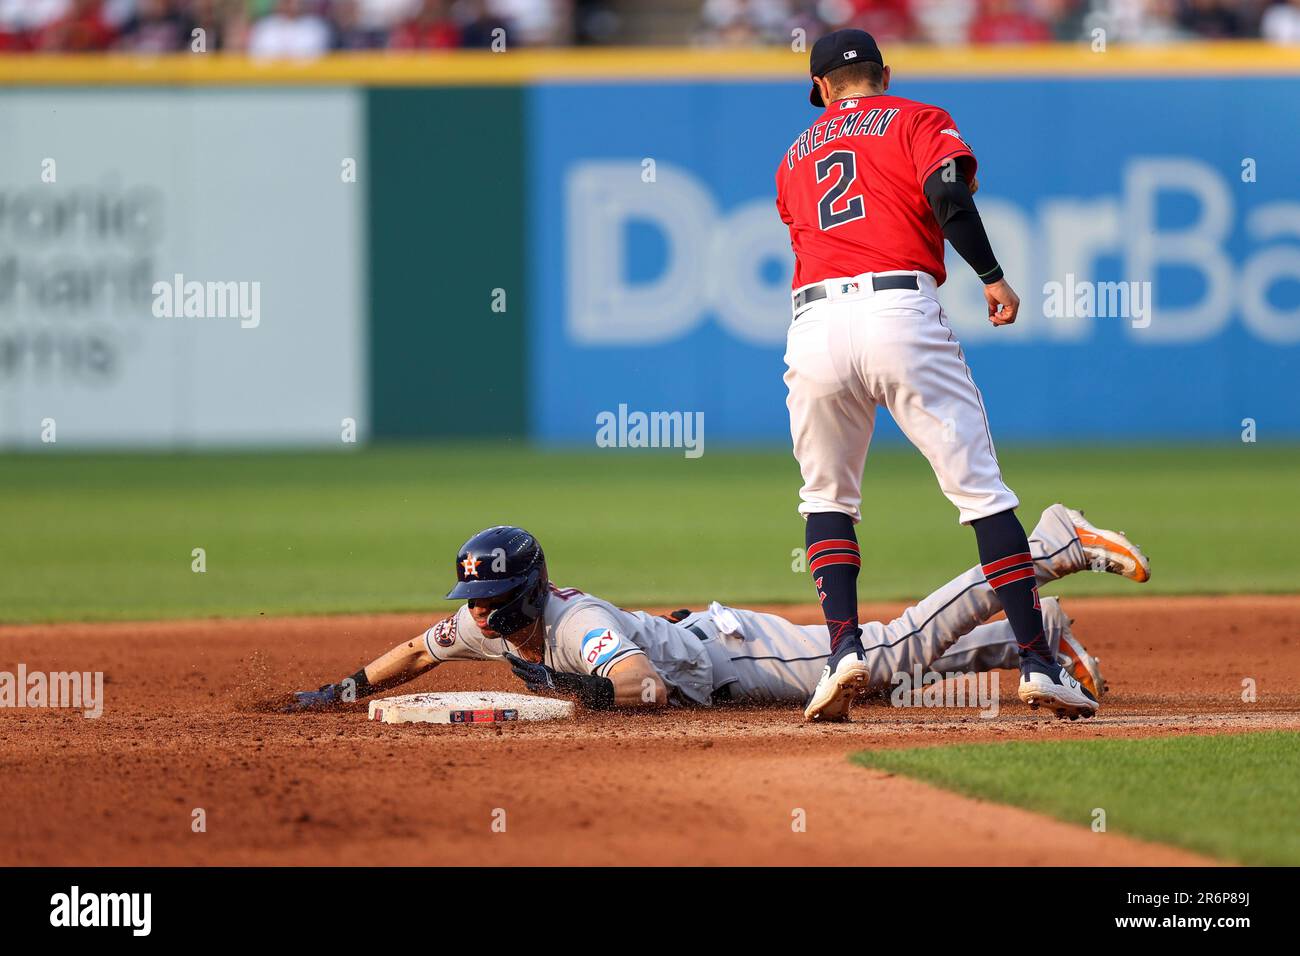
1003 302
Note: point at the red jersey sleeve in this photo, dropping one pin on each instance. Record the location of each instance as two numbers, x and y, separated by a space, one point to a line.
934 140
781 210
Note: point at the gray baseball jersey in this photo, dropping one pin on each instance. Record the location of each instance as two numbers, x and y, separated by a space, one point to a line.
585 635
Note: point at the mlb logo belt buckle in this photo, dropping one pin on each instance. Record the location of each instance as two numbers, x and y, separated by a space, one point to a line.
814 293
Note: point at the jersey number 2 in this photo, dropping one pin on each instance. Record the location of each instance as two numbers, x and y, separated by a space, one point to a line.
828 216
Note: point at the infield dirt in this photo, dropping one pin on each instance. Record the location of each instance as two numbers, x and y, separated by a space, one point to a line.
186 726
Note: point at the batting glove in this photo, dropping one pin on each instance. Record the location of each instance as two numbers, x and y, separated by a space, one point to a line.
536 677
309 699
594 692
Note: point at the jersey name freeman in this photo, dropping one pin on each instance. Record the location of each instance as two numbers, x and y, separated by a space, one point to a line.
851 188
860 123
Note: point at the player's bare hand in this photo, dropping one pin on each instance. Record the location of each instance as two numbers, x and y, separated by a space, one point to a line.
1003 302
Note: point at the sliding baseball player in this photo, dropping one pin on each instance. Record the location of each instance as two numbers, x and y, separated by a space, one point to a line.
565 641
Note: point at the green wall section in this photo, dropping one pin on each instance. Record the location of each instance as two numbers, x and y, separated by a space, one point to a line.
447 227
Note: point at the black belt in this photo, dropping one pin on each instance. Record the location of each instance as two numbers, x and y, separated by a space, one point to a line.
878 284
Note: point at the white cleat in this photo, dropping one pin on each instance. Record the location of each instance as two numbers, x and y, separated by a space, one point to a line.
836 690
1063 695
1110 551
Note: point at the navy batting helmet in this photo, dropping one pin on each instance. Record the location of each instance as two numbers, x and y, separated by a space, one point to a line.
504 562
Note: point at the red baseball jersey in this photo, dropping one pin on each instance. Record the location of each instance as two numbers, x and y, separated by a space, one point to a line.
851 188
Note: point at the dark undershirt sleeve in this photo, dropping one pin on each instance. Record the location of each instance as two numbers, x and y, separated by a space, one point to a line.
954 210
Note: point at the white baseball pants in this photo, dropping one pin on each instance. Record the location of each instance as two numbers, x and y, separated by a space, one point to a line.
859 349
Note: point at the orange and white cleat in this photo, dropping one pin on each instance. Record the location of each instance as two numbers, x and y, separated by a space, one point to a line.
1110 551
1082 666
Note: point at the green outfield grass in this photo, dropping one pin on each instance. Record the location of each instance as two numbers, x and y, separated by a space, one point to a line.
111 536
1229 796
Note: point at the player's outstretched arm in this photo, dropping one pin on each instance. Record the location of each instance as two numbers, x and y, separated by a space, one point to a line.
403 663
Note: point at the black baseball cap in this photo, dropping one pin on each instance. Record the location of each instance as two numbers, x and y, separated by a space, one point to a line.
840 49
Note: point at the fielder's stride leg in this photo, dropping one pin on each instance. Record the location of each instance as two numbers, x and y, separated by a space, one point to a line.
1009 568
834 562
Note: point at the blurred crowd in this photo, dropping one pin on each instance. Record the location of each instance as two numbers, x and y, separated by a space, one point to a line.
949 22
307 28
280 28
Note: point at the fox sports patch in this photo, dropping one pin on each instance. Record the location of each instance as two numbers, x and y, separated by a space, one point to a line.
599 645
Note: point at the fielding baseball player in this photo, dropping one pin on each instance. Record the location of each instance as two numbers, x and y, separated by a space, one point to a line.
870 191
566 641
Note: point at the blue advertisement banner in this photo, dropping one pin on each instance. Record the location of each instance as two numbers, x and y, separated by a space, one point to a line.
1150 225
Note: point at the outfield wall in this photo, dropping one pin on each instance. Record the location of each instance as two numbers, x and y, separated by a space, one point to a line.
523 241
110 200
674 294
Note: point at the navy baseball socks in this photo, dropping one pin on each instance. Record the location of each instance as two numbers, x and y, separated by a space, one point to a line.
834 562
1009 568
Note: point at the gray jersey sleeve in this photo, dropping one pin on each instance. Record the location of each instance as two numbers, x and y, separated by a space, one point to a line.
590 640
457 638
